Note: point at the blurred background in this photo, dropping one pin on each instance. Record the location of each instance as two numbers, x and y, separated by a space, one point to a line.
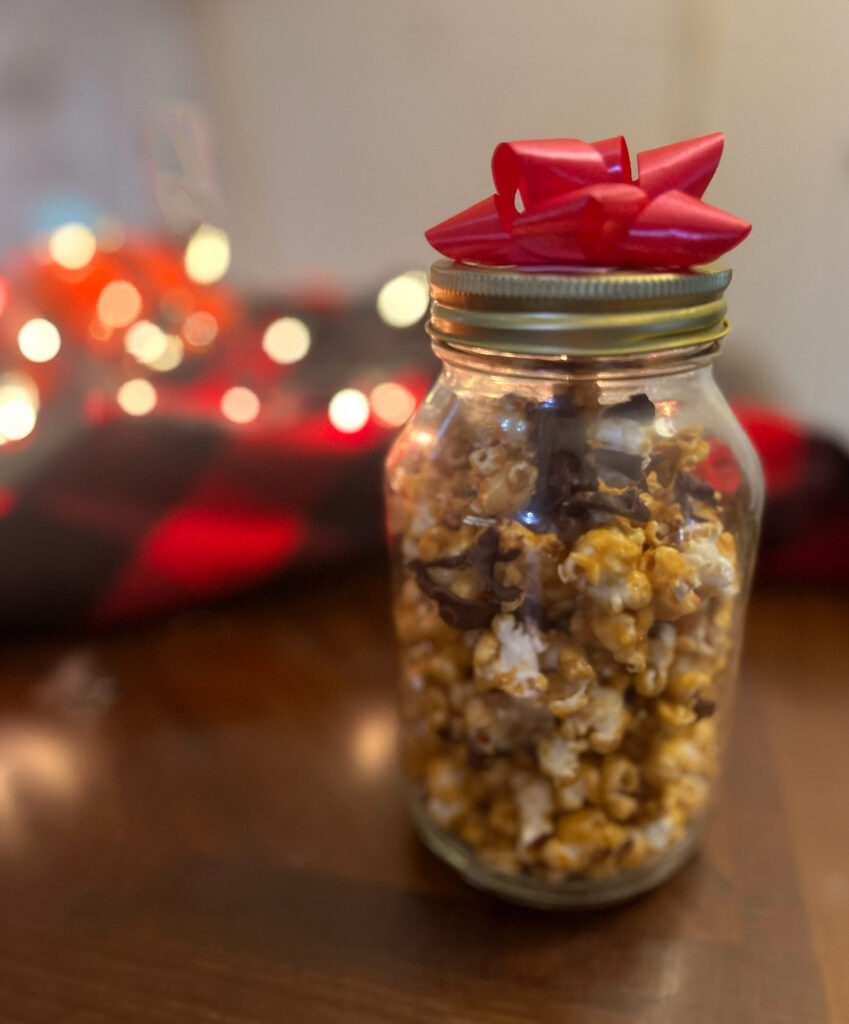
213 260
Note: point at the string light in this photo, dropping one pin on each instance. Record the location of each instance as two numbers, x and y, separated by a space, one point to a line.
172 354
240 405
137 397
286 340
207 256
200 329
72 246
119 304
145 341
39 340
392 404
348 410
18 408
403 301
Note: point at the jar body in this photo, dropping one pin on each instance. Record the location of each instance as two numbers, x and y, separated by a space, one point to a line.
572 555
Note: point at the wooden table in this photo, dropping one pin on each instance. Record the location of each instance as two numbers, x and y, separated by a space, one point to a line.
200 821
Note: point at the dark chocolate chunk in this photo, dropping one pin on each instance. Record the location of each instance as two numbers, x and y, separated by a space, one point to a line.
625 503
568 468
557 432
625 463
459 612
569 523
690 489
638 408
476 758
703 708
695 487
663 465
481 555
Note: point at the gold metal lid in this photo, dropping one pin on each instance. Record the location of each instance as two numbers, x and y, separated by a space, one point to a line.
575 313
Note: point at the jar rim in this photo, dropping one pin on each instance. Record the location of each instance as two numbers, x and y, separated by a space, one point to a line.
576 311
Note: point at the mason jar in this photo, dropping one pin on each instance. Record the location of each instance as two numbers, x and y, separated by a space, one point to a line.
573 516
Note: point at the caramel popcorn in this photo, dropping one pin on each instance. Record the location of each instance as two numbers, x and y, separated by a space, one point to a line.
566 609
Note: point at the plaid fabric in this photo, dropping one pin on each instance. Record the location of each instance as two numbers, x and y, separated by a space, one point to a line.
106 518
805 534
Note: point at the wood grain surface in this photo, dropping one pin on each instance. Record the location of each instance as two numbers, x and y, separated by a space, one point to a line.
201 823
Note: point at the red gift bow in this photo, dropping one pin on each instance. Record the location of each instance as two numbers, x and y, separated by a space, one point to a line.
581 206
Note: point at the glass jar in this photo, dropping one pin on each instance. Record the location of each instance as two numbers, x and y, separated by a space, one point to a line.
573 515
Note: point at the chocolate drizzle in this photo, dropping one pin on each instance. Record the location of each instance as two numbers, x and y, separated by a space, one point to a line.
568 489
689 489
618 503
482 556
694 487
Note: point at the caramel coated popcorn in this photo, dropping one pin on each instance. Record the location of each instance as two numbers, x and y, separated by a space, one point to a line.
566 608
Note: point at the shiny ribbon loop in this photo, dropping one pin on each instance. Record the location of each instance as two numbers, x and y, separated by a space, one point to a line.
580 206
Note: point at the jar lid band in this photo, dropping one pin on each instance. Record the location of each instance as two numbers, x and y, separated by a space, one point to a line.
573 312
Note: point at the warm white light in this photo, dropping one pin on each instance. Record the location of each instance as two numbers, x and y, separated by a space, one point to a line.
145 341
348 410
137 397
200 329
37 763
403 301
119 304
374 743
152 347
39 340
72 246
240 405
286 340
392 404
18 407
207 256
17 419
172 354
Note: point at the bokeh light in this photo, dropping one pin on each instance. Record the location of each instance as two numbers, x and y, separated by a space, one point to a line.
39 340
145 341
200 329
171 356
403 301
152 347
286 340
207 256
38 763
137 397
373 743
240 405
348 410
392 404
119 304
18 407
72 246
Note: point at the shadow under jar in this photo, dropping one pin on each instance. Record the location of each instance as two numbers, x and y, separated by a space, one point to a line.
573 514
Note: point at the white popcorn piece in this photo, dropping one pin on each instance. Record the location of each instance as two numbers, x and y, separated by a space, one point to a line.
700 551
535 804
558 758
514 666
